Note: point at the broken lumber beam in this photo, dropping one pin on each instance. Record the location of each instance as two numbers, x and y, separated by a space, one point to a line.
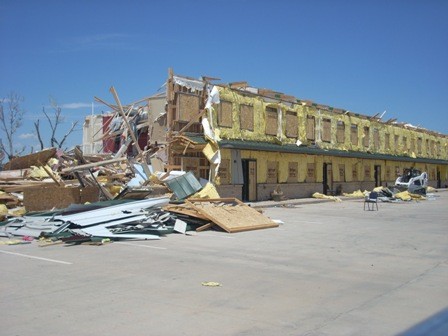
52 175
131 131
205 227
92 165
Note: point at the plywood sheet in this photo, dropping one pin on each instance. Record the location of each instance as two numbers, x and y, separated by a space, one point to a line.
310 128
231 214
271 120
188 106
272 173
184 210
247 117
292 122
225 114
26 161
46 198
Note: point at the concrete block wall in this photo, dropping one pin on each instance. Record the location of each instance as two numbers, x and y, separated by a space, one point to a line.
349 187
290 190
231 191
300 190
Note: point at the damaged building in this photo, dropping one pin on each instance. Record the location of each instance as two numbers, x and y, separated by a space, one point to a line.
251 142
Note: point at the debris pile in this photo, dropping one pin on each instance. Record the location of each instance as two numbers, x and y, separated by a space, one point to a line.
393 195
73 199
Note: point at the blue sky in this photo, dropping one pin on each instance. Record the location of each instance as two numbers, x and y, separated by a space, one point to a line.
363 56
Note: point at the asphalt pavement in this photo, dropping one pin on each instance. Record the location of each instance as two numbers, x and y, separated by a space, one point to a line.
331 268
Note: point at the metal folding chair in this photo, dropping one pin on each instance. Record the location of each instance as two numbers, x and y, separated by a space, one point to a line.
371 199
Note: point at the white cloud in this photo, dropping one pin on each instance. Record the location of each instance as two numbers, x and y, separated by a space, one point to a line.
74 106
27 136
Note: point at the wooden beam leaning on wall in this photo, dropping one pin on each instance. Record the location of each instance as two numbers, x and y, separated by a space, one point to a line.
131 132
192 120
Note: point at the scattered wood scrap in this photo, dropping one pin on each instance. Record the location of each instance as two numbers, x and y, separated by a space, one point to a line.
231 214
184 210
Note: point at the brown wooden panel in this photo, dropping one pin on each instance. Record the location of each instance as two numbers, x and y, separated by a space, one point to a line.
387 141
293 171
292 123
354 134
187 106
388 173
419 145
342 173
310 128
326 130
46 198
405 143
247 117
367 173
271 120
311 172
231 214
366 138
412 145
340 132
252 181
225 114
272 173
26 161
224 171
376 138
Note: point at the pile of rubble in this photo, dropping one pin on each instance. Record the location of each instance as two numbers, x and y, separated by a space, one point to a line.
72 198
393 195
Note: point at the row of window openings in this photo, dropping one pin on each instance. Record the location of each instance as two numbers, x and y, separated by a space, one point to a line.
390 174
247 123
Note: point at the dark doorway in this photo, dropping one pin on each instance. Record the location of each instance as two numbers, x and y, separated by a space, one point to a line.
439 180
327 179
377 175
250 180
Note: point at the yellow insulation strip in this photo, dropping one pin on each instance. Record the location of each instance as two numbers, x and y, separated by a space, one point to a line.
322 196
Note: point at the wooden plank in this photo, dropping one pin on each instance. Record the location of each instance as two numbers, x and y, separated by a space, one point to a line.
238 85
26 161
52 175
231 214
92 165
131 132
21 187
6 175
184 210
205 227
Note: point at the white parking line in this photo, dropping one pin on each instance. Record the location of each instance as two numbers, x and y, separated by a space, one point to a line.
39 258
140 245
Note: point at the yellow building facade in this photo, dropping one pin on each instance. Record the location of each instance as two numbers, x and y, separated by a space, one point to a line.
270 141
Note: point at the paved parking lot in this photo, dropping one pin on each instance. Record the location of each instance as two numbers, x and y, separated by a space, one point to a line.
330 269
